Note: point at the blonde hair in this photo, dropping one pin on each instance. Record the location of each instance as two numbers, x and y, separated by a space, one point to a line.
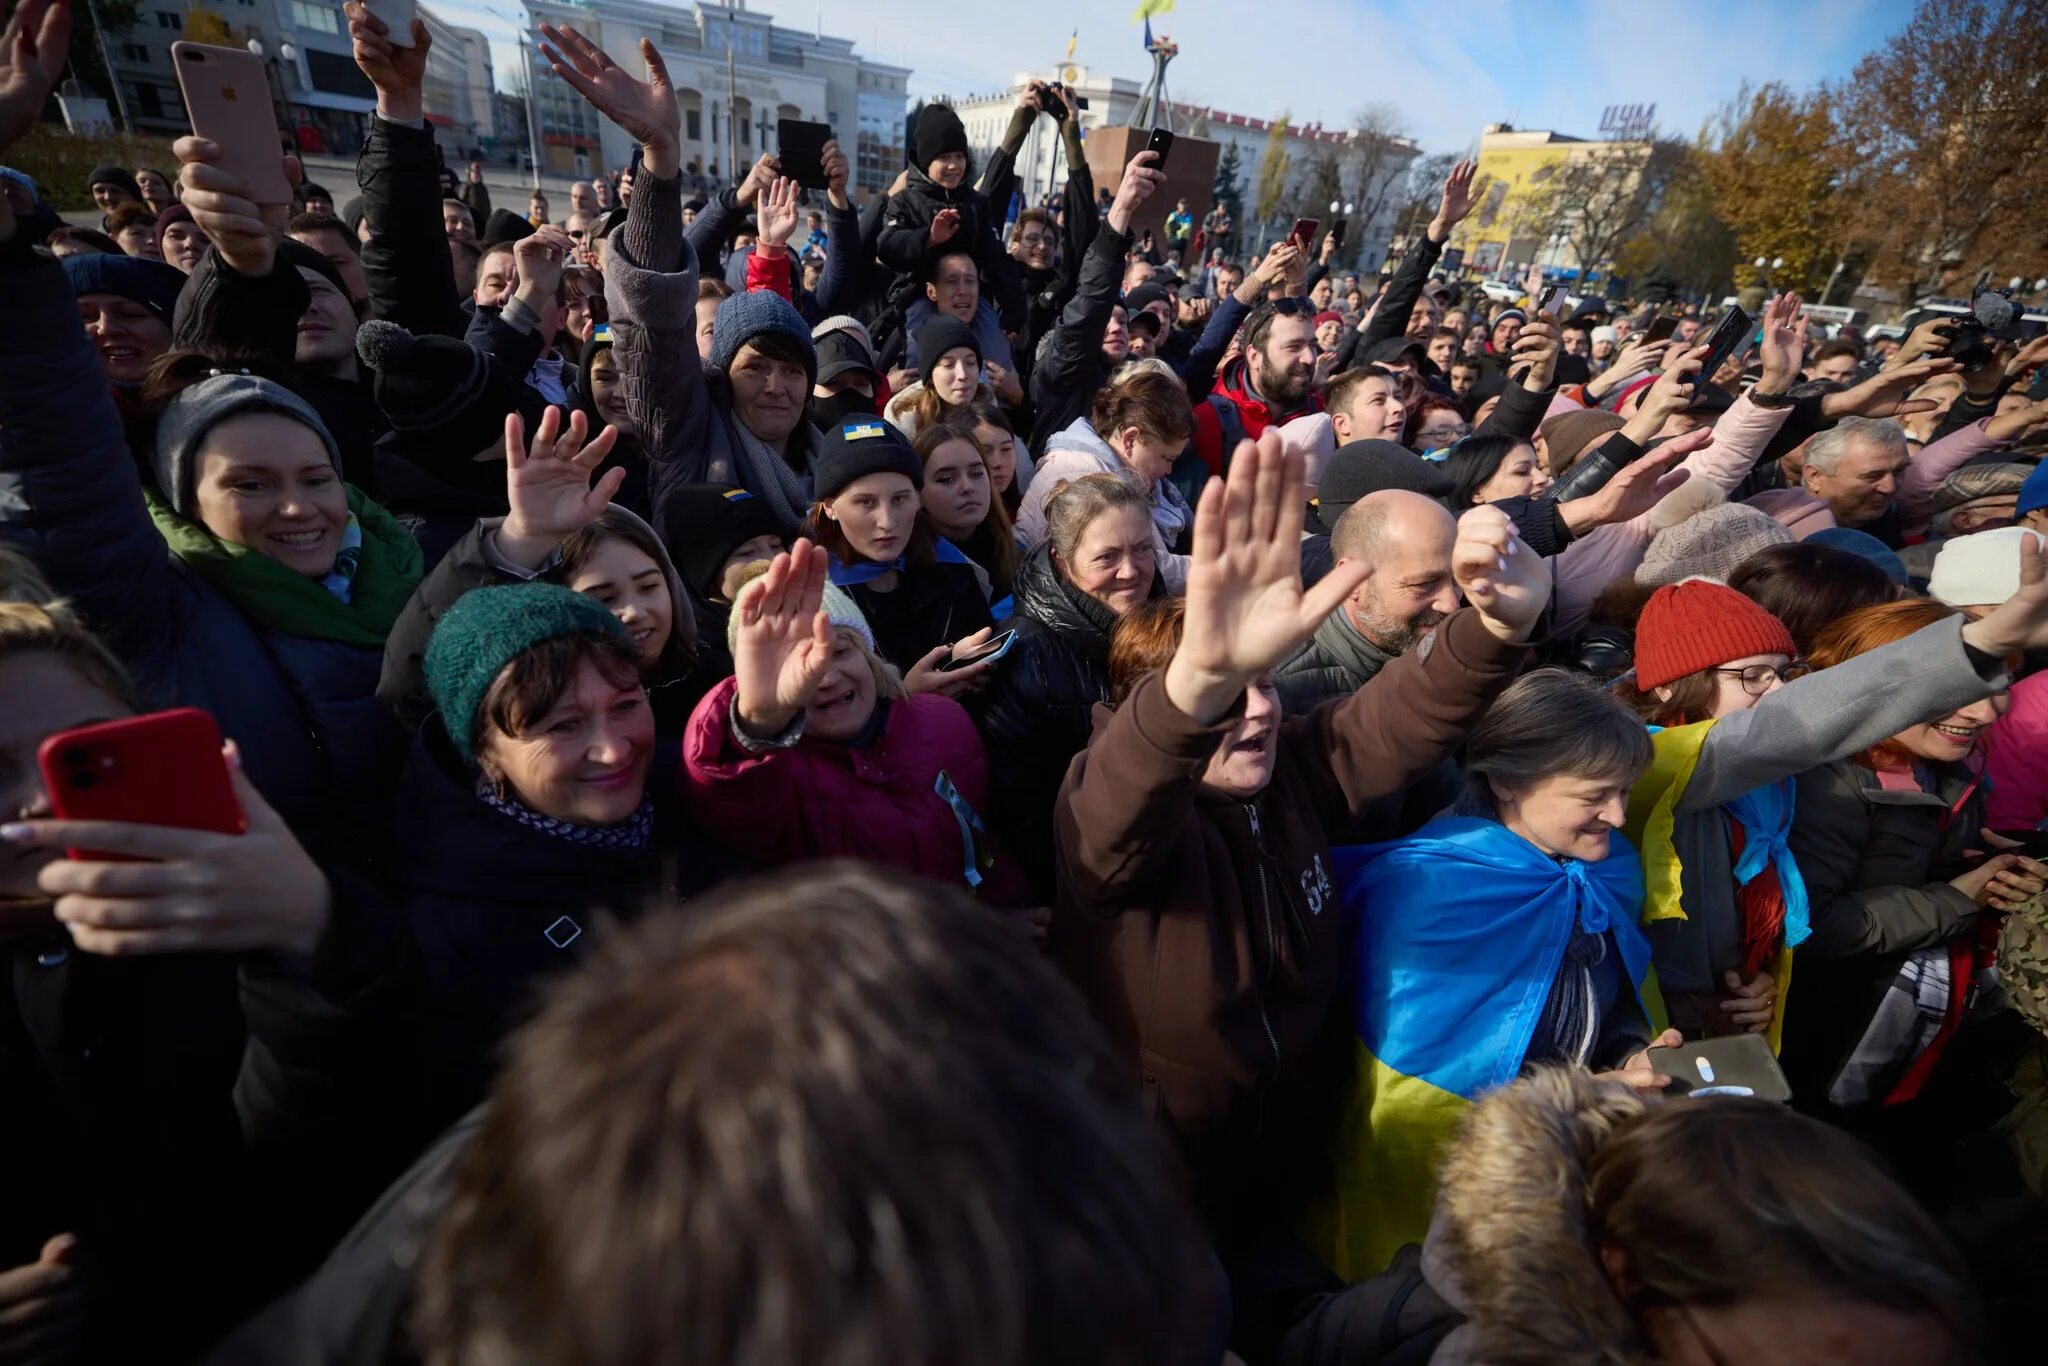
34 621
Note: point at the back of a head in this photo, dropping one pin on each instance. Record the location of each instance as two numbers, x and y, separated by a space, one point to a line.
829 1116
1145 394
1809 587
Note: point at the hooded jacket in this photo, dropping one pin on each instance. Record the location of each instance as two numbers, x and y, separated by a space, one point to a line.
1037 713
1206 932
1254 414
1079 451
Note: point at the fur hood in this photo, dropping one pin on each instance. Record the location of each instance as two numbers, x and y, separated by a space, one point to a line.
1508 1247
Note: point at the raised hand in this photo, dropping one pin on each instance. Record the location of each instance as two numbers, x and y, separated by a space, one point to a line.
1276 264
1930 338
835 174
1536 347
224 206
759 177
1670 394
1636 489
647 110
945 223
1246 609
777 215
2013 424
1508 582
1141 179
1784 343
540 255
396 71
1456 202
34 46
2034 353
547 485
193 890
784 641
1884 394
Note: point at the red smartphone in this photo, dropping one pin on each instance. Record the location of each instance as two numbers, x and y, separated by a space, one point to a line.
165 768
1305 231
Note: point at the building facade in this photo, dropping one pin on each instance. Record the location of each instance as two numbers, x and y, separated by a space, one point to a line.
1507 232
1370 169
458 89
736 73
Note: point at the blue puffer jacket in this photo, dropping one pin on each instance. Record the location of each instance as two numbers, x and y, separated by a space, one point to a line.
304 711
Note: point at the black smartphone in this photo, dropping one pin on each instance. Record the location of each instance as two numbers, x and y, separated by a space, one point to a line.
994 649
800 146
2032 843
1728 334
1661 330
1161 142
1732 1065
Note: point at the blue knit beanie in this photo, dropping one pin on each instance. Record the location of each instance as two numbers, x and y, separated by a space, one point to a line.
152 284
743 317
487 629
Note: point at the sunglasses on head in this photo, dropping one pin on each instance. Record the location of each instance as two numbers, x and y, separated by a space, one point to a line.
1293 308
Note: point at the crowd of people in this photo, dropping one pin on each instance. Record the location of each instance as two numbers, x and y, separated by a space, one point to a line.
931 781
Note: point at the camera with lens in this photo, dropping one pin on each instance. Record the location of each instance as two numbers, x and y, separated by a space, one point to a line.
1992 314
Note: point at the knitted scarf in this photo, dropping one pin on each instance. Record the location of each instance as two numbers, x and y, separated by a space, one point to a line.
386 567
765 474
634 832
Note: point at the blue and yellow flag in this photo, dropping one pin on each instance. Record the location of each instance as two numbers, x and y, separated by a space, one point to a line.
1462 929
1147 8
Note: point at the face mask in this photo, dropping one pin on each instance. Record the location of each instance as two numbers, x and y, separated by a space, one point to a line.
833 409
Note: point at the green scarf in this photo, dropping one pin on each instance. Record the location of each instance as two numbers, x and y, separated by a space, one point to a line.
282 599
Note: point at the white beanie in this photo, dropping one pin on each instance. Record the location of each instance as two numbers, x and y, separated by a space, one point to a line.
1979 570
1605 333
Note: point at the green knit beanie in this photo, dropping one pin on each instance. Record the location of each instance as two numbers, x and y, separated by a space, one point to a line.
487 629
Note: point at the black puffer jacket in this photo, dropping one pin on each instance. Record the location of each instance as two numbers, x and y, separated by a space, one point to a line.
1036 714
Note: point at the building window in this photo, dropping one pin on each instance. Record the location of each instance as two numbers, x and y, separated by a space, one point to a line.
746 129
134 52
693 125
149 103
317 18
165 19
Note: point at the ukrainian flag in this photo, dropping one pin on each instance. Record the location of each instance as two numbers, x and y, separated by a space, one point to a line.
1462 930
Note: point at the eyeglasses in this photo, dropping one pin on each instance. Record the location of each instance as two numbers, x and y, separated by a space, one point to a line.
1757 678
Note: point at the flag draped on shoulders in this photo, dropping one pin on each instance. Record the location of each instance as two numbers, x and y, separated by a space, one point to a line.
1770 893
1463 927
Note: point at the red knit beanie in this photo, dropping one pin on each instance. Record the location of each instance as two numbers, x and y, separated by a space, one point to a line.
1698 624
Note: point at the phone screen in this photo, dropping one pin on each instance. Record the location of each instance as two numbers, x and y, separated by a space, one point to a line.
800 146
1661 330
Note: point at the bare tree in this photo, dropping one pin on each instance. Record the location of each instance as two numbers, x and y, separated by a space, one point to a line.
1599 197
1378 162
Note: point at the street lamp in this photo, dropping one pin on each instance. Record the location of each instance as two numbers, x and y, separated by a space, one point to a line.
1765 267
286 54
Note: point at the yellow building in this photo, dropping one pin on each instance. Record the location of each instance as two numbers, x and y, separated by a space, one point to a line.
1507 230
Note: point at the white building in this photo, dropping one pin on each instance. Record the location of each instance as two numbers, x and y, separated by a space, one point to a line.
735 74
1112 100
458 88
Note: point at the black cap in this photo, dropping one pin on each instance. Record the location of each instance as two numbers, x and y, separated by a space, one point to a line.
1393 348
504 226
702 524
941 333
840 352
857 448
1359 468
1147 293
1595 307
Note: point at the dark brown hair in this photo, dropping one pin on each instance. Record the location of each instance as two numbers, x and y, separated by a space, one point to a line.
528 688
1810 587
130 215
615 524
323 222
1002 540
698 1152
1144 639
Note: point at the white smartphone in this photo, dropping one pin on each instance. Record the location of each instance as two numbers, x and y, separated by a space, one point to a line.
397 16
227 101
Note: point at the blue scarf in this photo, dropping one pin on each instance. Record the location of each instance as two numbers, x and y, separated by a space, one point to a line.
341 579
867 571
1766 816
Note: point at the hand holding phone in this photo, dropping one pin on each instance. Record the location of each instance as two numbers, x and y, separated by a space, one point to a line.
227 99
801 150
1554 303
397 16
990 652
165 768
1304 231
1730 1065
1160 142
1734 329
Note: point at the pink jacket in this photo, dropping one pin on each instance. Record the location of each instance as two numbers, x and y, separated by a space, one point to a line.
1608 553
2016 758
821 800
1936 462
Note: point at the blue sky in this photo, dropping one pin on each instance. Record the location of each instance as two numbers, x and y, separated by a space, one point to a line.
1447 66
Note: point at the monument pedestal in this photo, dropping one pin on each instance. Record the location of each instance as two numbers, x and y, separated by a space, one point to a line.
1190 175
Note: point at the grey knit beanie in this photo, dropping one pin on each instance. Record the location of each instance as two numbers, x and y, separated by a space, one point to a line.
197 410
1709 545
745 316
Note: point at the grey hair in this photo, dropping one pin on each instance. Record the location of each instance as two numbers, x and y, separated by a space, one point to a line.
1825 451
1554 723
1074 506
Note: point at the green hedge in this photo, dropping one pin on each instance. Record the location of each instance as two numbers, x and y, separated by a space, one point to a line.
60 161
